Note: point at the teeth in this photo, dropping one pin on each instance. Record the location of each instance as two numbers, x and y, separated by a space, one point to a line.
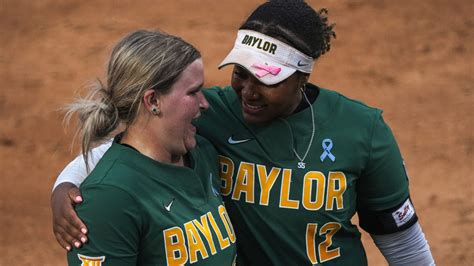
197 116
255 107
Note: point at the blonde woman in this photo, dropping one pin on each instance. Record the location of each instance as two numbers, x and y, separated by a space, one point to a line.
154 192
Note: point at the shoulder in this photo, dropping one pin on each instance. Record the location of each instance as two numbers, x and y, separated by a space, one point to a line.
119 167
349 103
348 110
102 195
203 143
205 148
115 222
218 92
224 110
104 201
220 97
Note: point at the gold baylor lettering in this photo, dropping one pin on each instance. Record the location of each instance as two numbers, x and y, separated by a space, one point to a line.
316 190
175 246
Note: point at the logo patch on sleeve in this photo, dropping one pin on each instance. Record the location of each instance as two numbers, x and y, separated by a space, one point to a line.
404 213
91 261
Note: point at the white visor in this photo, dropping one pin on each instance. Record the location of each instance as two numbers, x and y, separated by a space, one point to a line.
268 59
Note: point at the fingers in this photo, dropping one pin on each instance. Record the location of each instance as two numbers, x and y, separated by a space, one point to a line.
67 240
68 229
71 222
74 226
62 242
67 234
75 195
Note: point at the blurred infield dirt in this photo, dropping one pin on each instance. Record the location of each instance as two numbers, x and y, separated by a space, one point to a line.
413 59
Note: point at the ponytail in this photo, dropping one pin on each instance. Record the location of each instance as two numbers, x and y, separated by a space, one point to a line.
142 60
97 117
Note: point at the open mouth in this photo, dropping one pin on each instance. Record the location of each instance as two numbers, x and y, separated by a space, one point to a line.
196 118
192 126
252 108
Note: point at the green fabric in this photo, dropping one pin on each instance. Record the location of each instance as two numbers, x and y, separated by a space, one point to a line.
125 200
280 231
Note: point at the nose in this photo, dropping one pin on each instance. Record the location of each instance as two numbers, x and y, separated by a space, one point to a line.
249 90
203 103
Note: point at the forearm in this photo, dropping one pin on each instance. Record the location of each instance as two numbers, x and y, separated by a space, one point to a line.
76 171
408 247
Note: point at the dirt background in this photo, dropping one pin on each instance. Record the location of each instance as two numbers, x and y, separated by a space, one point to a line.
414 59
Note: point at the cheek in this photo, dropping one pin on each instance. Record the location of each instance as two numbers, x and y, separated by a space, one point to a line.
233 81
236 85
280 104
192 107
275 99
186 108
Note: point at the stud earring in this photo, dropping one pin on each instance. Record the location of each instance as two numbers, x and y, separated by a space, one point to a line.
155 110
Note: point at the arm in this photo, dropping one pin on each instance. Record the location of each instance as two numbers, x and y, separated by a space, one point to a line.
67 227
75 172
384 207
408 247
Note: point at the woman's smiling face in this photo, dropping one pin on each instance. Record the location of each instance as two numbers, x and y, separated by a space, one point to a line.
263 103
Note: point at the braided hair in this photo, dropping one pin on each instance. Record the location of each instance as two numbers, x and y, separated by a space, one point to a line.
295 23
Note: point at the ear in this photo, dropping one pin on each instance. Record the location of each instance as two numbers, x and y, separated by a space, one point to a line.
306 78
303 79
151 99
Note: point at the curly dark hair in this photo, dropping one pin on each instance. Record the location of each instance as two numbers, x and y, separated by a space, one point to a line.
295 23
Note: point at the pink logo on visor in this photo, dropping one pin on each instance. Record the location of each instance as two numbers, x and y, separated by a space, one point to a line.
264 70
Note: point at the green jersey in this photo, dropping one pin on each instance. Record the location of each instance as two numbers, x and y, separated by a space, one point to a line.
143 212
290 197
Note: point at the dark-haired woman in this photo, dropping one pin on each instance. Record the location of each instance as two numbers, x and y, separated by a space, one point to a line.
298 161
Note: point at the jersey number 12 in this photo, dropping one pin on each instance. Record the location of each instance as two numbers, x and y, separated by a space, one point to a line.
324 252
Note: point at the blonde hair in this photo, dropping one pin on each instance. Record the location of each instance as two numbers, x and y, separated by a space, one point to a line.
142 60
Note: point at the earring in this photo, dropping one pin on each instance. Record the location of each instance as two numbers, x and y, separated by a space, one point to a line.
303 88
155 110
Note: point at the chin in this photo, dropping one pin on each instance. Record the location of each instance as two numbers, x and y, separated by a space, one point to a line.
190 144
254 119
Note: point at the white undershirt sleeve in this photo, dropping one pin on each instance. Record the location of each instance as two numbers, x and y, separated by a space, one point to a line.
75 172
408 247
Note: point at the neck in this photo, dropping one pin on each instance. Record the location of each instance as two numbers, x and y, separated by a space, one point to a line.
148 144
311 94
297 103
